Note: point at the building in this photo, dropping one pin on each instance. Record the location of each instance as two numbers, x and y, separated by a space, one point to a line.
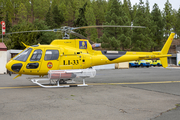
175 51
12 53
3 58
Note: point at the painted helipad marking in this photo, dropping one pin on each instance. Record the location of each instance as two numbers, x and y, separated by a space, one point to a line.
132 83
18 87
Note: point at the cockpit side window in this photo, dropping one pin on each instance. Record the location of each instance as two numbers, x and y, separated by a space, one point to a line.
36 55
24 55
51 55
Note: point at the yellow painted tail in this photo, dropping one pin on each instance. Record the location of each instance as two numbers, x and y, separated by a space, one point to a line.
164 62
165 50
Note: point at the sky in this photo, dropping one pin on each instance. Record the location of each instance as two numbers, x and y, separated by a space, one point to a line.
175 3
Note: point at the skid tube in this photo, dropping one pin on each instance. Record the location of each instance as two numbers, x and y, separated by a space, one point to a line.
35 80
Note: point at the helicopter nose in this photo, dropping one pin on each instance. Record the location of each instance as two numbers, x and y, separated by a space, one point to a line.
14 67
8 66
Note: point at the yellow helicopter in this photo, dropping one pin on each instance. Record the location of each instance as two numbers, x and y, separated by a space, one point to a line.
66 59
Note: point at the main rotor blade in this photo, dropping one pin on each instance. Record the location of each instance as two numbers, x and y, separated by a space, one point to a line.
78 35
101 26
30 31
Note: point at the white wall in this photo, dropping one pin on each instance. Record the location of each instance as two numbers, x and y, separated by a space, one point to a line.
3 61
9 53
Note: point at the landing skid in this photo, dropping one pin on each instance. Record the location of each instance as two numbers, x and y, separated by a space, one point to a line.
57 78
51 85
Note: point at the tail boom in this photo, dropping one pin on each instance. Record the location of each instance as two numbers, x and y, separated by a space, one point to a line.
108 57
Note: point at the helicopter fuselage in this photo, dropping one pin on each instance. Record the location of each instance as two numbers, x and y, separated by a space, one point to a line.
71 54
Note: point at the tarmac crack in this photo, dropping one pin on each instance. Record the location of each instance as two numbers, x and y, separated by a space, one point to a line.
177 105
151 90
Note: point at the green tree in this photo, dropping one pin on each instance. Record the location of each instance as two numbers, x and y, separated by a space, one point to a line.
91 20
64 11
1 13
99 8
28 8
167 15
40 8
174 20
44 37
177 23
8 23
127 8
130 9
22 12
27 38
70 13
149 23
142 38
157 27
48 18
16 5
134 11
81 20
9 9
116 38
58 17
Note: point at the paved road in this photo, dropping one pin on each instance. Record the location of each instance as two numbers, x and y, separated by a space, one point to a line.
129 94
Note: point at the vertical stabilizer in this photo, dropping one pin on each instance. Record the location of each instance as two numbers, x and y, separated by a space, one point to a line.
167 45
165 50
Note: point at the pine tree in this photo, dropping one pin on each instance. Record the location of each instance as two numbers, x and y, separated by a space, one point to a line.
91 20
27 38
99 6
81 20
149 23
177 23
1 13
64 10
174 20
168 18
9 9
44 37
28 8
32 9
41 8
7 22
58 17
157 27
130 9
48 18
116 38
134 11
127 8
70 13
22 12
142 37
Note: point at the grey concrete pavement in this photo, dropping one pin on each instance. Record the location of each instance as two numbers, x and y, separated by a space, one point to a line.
98 101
